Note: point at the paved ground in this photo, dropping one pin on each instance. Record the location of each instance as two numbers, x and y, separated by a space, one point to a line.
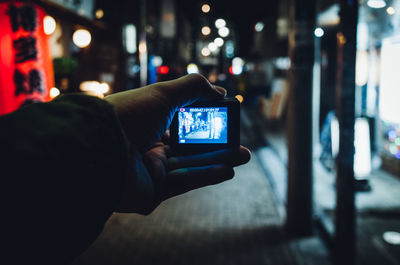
235 222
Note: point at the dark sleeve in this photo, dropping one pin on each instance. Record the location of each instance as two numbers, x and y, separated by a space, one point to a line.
63 166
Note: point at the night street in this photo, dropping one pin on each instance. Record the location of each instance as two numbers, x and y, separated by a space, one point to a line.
199 132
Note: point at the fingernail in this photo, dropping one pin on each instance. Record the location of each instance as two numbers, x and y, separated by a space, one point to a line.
220 90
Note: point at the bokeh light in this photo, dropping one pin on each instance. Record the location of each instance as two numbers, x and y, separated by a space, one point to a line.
99 13
205 52
82 38
220 23
390 10
54 92
319 32
223 32
212 46
376 3
259 26
192 69
206 30
219 41
205 8
49 25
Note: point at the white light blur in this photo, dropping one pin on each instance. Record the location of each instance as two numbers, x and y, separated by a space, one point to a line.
95 88
220 23
335 137
362 67
282 63
49 25
259 26
390 10
389 92
219 41
223 32
82 38
142 46
157 61
376 3
237 69
391 237
238 61
54 92
192 69
205 8
205 52
212 46
129 38
362 155
205 30
143 60
237 65
319 32
362 36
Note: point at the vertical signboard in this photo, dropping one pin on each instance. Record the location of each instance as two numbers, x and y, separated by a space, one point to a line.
168 21
26 71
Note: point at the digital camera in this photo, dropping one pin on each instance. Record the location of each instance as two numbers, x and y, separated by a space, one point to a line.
206 126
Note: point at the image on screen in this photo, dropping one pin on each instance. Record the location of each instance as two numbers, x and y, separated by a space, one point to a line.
208 125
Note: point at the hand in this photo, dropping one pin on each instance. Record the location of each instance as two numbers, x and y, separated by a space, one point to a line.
163 176
145 115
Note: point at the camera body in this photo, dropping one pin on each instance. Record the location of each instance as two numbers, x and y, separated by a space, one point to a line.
206 126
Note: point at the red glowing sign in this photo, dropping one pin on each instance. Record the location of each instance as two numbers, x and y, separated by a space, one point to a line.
26 70
163 70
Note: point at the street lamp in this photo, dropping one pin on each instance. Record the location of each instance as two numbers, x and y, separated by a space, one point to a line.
223 32
205 8
205 30
219 23
219 41
205 52
212 46
82 38
319 32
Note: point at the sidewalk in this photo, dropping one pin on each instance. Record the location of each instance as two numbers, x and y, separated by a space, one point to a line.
378 210
235 222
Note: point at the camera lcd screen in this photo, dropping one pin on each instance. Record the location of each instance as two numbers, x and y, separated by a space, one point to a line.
203 125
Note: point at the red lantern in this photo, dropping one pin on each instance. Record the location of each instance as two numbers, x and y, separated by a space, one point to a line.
26 70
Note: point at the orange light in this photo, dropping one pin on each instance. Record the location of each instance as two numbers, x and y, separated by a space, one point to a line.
239 98
205 8
163 70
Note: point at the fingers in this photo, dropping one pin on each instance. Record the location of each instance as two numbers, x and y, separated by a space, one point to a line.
227 157
165 138
180 181
190 88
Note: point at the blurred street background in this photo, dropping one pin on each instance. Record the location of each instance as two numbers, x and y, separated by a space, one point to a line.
318 85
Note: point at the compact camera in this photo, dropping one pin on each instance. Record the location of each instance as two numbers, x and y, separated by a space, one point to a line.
206 126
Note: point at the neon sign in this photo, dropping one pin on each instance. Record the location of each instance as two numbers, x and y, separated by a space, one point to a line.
26 70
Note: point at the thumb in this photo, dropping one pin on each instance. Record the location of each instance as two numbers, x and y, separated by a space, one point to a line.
191 88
